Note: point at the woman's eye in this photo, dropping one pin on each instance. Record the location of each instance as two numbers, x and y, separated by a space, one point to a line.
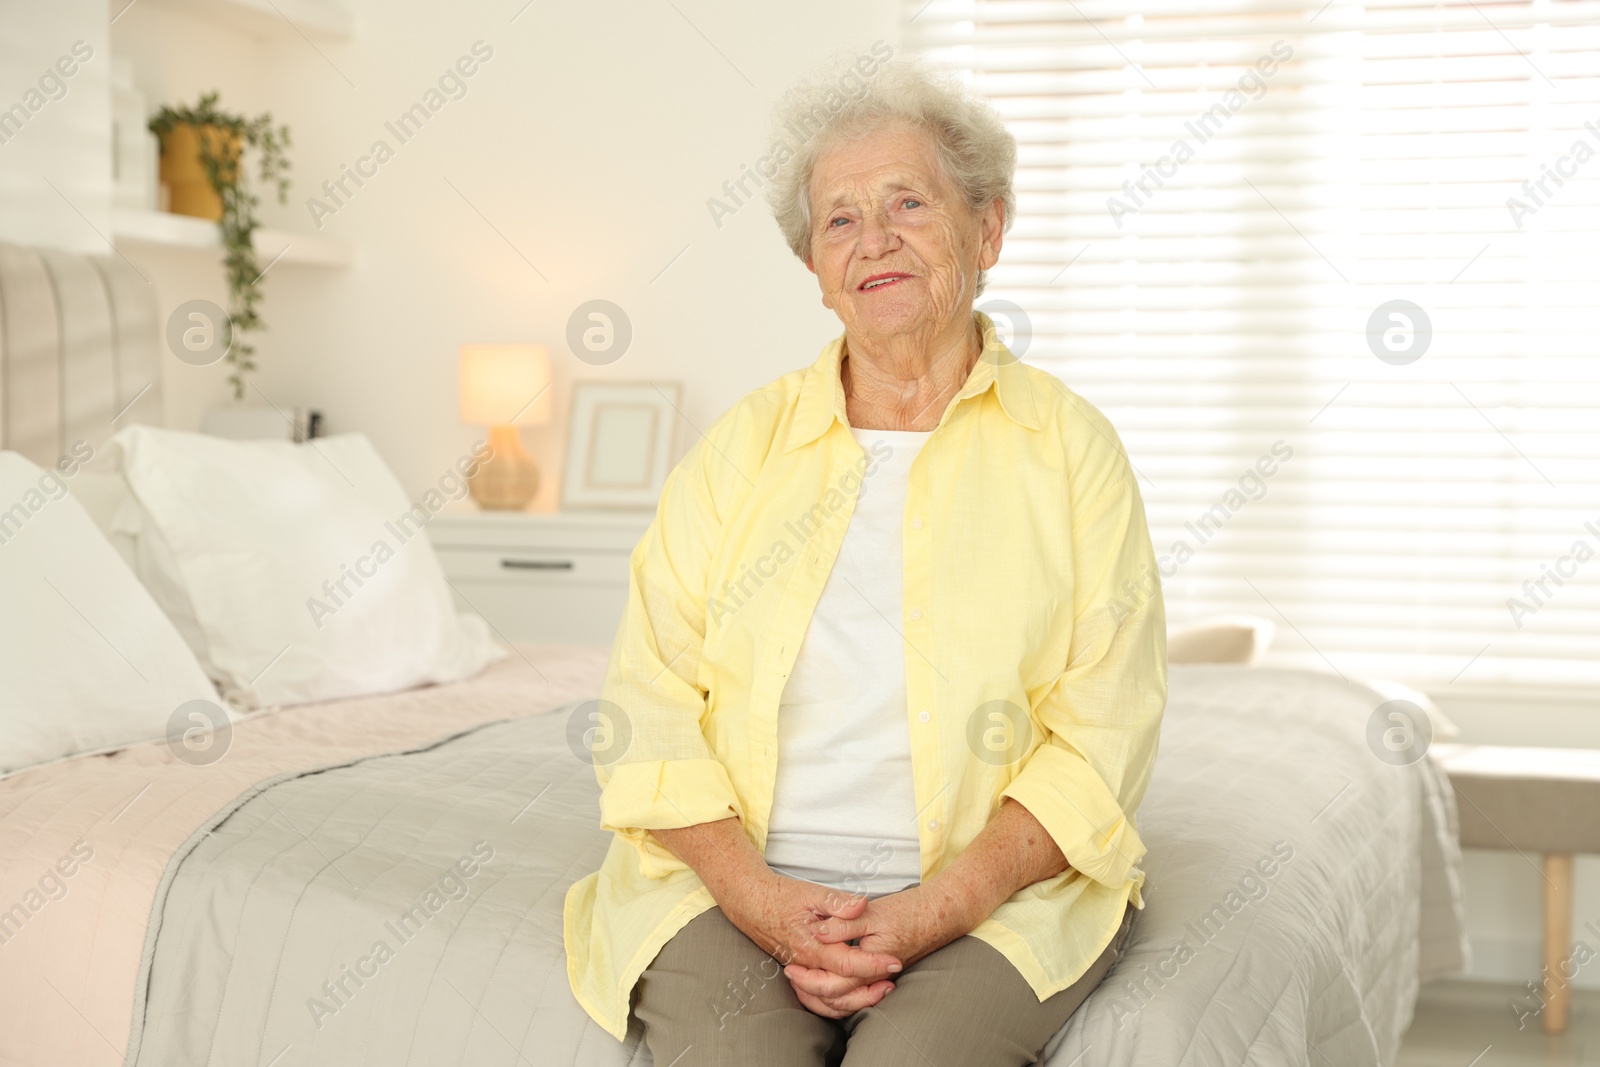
839 218
913 201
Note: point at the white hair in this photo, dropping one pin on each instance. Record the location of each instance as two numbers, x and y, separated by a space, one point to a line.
976 153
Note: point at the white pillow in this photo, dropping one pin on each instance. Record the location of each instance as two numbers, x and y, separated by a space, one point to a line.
87 661
1242 639
104 496
296 572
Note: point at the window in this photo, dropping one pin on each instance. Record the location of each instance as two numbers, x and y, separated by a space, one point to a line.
1333 272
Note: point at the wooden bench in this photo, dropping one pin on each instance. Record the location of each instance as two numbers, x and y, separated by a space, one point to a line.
1533 800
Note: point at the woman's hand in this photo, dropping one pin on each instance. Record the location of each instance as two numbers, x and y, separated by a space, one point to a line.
1010 853
907 925
788 918
912 923
782 915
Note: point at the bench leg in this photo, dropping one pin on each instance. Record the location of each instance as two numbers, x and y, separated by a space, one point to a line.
1557 939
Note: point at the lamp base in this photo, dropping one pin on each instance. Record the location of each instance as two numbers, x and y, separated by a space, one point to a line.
509 478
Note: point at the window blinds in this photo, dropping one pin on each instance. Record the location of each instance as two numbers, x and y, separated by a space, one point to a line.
1333 273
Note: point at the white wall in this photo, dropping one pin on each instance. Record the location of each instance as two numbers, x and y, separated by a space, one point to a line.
586 146
589 143
53 122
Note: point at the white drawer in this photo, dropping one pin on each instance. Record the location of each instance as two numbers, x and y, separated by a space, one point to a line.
545 579
545 614
525 566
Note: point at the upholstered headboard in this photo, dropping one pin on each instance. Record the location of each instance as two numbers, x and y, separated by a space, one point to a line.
79 348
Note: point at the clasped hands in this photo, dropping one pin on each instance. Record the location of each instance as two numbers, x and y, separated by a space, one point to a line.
810 929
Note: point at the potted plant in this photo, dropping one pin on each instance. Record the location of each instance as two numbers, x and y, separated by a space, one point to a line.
201 149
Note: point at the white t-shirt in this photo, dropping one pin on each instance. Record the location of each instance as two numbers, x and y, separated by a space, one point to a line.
844 809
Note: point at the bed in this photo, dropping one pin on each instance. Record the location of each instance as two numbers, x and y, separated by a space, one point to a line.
380 880
222 903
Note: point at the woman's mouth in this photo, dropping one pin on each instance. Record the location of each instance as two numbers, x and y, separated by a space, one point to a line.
882 281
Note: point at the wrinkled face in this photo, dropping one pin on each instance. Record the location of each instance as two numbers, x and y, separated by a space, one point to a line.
894 247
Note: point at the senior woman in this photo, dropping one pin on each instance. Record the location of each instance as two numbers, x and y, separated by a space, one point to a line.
888 686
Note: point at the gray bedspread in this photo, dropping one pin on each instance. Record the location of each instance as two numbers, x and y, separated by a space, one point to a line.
406 909
400 909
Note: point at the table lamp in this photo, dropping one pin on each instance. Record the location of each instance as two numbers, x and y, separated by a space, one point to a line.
503 387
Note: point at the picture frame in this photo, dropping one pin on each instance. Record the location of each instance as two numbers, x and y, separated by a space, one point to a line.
620 438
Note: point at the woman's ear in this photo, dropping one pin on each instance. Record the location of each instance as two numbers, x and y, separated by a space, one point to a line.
992 233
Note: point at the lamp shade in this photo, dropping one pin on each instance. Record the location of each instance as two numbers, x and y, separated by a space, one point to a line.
505 385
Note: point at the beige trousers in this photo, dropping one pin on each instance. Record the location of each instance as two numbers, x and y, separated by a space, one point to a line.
712 998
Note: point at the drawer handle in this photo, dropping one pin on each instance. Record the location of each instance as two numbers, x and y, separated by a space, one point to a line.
537 564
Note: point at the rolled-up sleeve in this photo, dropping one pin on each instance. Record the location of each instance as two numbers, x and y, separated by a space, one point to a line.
655 768
1102 716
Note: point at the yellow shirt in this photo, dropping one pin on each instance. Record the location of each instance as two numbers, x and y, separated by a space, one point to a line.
1035 656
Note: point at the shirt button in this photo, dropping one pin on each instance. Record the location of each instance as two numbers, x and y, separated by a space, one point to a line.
924 717
933 824
916 614
916 524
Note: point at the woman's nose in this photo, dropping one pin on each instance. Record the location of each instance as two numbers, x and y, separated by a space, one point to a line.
877 232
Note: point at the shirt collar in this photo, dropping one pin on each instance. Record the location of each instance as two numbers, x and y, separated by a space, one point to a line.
822 390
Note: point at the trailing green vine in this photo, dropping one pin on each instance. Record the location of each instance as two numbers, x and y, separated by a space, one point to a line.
219 158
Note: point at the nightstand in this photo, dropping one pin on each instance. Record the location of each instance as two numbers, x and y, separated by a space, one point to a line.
547 578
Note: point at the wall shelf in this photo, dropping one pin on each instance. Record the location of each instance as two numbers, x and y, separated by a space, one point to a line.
161 229
270 20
